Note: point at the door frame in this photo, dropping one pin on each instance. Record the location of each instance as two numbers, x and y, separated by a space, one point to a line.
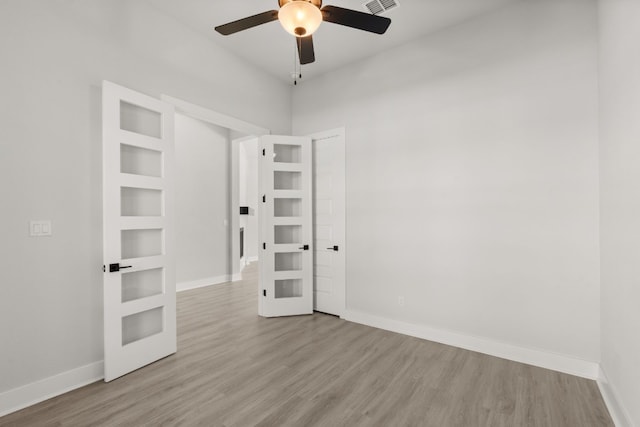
341 133
252 131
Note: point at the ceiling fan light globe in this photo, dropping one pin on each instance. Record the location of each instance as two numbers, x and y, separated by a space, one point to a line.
300 15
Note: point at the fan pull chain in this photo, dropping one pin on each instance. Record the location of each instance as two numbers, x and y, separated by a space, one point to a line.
299 42
297 66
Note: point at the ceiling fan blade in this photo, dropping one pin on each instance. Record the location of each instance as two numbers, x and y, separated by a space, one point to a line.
354 19
305 50
246 23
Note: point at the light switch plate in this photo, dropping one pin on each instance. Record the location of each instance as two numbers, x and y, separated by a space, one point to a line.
40 228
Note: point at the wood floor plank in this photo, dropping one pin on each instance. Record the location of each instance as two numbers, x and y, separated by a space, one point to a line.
235 369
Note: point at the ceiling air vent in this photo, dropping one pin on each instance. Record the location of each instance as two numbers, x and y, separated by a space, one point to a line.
380 6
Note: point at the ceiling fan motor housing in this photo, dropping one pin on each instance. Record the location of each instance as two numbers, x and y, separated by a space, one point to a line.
317 3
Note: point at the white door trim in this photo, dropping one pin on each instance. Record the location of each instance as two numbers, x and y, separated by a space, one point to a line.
328 133
213 117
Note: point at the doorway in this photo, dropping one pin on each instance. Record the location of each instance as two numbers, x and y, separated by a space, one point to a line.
247 164
329 237
231 133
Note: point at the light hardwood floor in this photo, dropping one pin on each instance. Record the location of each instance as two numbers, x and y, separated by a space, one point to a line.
236 369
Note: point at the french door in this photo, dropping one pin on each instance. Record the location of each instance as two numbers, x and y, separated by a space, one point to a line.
286 253
139 263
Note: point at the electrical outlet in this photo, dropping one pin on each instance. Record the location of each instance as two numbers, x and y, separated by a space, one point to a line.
401 301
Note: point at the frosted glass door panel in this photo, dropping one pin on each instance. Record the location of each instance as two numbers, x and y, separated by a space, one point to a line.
288 261
284 180
141 243
134 118
287 207
287 153
142 284
140 202
288 288
142 325
140 161
287 234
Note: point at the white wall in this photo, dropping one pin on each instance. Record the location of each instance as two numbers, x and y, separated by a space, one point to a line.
55 53
472 177
202 201
620 195
249 196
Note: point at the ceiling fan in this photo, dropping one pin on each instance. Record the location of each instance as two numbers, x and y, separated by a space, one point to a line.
301 18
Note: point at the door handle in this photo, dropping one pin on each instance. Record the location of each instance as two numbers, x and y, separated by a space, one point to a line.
334 248
117 267
304 248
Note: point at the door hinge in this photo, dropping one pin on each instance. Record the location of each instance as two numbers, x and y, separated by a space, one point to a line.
264 292
264 199
264 152
104 268
264 246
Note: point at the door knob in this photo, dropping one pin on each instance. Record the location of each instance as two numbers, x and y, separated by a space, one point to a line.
334 248
304 248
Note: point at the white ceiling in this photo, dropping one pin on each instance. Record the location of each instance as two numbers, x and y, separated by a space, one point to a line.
271 49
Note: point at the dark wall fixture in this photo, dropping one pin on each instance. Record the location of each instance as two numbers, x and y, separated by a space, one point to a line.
246 210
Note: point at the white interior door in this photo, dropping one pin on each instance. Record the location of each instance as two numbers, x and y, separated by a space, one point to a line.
329 222
139 263
286 257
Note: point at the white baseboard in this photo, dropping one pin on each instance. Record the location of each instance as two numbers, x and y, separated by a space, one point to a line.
201 283
543 359
245 261
236 277
41 390
618 412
